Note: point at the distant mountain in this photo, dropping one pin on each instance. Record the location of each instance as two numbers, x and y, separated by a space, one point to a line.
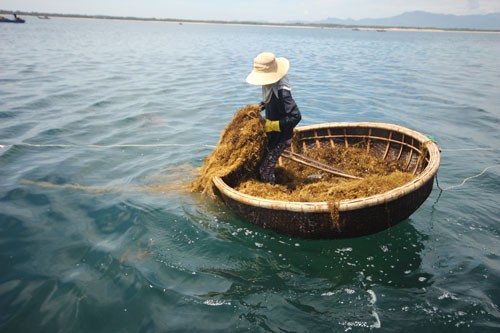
419 19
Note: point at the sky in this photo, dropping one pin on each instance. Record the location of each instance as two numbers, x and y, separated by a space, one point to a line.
253 10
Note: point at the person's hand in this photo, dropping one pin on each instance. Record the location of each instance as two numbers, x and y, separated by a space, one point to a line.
262 106
272 125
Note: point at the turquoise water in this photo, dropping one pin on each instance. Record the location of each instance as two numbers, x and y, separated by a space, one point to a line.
94 114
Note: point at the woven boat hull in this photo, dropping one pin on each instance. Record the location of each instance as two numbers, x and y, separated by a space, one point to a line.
357 217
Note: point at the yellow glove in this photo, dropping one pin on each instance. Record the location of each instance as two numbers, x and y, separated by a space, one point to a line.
272 125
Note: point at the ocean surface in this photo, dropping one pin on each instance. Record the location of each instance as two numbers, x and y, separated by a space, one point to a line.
101 121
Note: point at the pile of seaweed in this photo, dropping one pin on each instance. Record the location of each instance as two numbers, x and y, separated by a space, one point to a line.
240 149
296 182
243 143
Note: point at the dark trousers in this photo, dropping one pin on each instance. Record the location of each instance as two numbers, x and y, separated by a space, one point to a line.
268 165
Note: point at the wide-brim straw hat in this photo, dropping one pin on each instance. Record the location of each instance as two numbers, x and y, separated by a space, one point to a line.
268 69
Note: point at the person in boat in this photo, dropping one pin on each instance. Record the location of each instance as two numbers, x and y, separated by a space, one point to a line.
282 113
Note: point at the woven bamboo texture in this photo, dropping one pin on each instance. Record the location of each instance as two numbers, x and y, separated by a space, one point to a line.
357 217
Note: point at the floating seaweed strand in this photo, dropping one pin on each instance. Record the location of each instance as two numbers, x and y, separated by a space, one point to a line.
127 145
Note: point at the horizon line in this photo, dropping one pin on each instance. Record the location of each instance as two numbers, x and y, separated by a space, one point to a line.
297 23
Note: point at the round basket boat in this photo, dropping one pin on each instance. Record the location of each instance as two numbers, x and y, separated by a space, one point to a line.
356 217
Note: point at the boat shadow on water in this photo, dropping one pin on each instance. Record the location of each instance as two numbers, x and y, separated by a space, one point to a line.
391 257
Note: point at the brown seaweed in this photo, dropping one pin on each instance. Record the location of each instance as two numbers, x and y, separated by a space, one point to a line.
240 148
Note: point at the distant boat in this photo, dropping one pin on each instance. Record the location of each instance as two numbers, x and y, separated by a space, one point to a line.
380 30
15 20
45 17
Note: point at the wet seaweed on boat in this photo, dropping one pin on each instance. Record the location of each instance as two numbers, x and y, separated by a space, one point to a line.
296 182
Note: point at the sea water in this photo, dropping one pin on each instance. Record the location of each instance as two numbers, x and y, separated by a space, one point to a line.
102 121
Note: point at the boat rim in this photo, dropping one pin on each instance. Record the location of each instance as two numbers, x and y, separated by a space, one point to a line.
352 204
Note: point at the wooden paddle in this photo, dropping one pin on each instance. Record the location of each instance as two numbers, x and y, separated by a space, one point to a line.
316 164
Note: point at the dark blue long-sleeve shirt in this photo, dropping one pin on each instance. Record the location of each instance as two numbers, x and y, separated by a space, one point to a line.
284 109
